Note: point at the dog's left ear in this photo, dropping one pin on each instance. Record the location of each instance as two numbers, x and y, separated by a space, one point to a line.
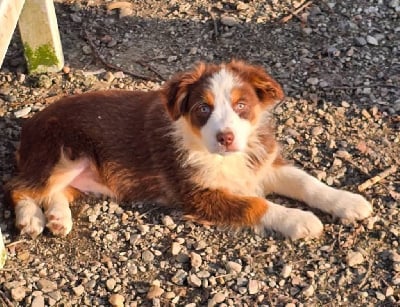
267 89
177 89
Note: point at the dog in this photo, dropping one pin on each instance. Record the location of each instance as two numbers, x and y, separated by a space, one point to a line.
203 142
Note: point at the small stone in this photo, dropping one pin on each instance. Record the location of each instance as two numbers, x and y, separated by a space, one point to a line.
194 281
110 284
116 300
155 291
317 131
380 296
46 285
179 277
253 286
76 18
365 113
395 256
200 245
78 290
172 58
147 256
112 43
313 81
169 222
360 41
195 260
394 4
109 76
307 31
286 271
217 299
372 40
354 258
86 49
233 267
38 301
18 294
241 6
345 104
229 21
308 291
23 112
66 69
389 291
175 248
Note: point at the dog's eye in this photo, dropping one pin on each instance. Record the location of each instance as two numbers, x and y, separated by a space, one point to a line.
204 108
240 106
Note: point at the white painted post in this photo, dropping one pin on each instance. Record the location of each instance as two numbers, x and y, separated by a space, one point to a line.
40 36
9 13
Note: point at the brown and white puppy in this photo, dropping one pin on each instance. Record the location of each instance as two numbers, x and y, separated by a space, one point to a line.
203 142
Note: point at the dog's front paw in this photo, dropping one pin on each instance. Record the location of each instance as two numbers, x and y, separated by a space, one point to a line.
59 221
292 223
29 218
350 206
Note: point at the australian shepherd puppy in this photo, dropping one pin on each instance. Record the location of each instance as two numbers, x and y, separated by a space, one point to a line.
203 142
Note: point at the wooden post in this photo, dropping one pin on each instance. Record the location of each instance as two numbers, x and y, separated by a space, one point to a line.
9 13
40 36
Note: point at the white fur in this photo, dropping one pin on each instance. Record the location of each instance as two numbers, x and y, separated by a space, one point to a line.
224 118
29 217
295 183
58 214
292 223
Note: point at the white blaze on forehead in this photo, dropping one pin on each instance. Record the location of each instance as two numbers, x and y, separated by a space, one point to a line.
223 117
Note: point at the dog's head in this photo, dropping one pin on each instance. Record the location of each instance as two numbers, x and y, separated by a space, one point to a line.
222 104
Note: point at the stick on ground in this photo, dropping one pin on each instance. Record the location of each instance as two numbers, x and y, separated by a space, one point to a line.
370 182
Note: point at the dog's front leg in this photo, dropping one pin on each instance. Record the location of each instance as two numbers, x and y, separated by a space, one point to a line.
224 208
292 182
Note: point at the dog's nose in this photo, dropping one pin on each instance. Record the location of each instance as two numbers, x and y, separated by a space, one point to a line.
225 138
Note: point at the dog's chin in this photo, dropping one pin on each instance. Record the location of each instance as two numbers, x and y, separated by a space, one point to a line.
225 151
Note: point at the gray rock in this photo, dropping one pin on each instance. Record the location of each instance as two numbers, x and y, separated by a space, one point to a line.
233 267
360 41
229 21
372 40
23 112
312 81
179 277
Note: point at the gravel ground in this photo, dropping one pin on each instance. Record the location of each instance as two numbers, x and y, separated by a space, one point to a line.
339 64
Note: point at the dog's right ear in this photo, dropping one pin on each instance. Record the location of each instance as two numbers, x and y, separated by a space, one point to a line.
176 90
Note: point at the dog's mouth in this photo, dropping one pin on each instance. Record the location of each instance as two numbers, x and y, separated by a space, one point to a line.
225 150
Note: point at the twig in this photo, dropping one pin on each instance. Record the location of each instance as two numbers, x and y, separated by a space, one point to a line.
370 182
112 66
15 243
345 87
216 33
295 13
365 278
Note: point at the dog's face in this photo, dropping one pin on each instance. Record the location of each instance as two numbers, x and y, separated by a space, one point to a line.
222 105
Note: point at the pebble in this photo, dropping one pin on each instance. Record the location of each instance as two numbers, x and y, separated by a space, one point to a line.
194 281
116 300
38 301
313 81
317 131
354 258
168 221
175 248
218 298
195 260
253 286
155 291
229 21
86 50
18 294
372 40
78 290
308 291
380 296
110 284
46 285
360 41
23 112
179 277
286 271
147 256
233 267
